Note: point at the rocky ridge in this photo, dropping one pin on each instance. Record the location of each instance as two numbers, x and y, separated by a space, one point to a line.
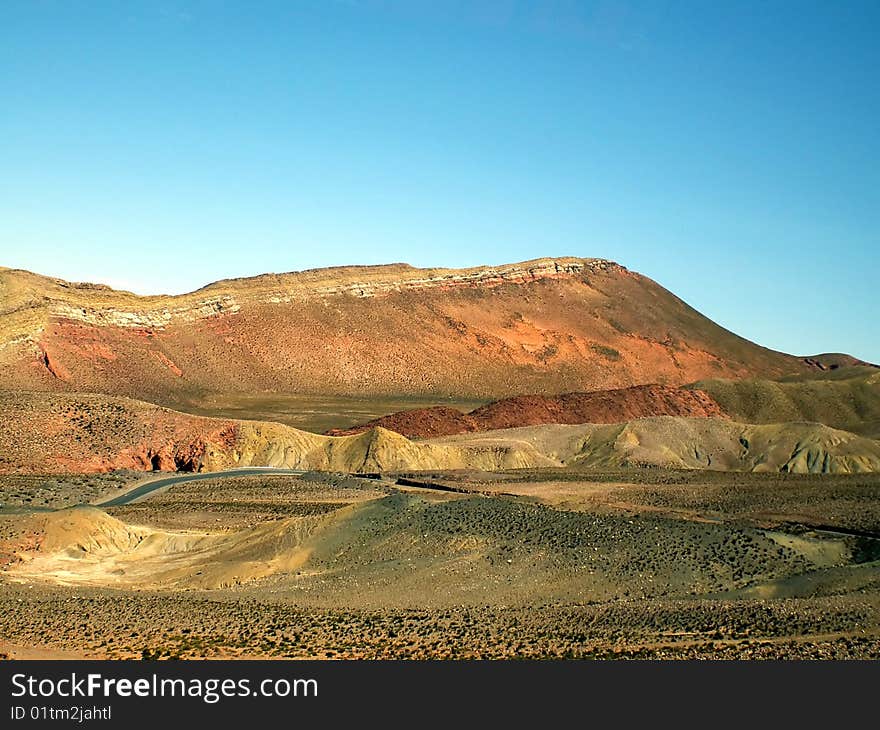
604 406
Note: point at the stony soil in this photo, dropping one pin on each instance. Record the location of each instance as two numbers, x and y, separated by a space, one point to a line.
62 490
107 624
634 564
232 504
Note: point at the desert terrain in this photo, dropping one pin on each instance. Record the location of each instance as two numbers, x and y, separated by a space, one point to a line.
552 459
539 563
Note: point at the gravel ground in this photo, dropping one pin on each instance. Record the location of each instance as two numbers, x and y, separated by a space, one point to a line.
62 490
122 625
656 566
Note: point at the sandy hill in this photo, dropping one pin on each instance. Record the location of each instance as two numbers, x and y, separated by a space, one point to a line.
51 433
545 326
86 546
691 443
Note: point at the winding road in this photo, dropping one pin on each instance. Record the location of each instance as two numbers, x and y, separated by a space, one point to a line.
162 483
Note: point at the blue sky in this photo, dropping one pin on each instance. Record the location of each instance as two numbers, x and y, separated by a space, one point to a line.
728 150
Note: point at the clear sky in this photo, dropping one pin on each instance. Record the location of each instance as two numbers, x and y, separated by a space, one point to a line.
729 150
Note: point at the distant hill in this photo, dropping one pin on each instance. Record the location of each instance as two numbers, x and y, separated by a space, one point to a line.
543 327
50 433
692 443
846 399
603 406
56 433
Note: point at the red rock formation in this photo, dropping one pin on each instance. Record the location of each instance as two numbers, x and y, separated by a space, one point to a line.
55 369
603 406
49 433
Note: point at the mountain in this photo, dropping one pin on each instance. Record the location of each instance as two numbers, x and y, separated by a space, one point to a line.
543 327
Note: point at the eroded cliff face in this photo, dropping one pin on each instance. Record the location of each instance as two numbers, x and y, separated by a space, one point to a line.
60 432
160 318
103 307
543 326
383 281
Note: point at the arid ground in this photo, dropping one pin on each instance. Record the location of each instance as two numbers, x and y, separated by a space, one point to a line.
535 563
557 458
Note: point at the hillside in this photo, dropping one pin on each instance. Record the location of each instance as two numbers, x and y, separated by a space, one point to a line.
60 433
44 433
55 433
850 401
545 326
845 398
691 443
602 406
